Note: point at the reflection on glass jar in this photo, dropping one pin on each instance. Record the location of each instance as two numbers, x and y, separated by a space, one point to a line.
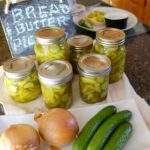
50 44
110 42
94 77
79 45
56 83
21 79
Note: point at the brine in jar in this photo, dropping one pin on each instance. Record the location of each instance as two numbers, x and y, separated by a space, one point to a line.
110 42
94 77
51 44
78 46
56 83
21 79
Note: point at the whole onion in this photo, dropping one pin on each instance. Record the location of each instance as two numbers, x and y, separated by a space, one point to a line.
20 137
57 126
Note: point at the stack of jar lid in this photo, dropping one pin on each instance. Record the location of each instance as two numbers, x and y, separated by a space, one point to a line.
54 74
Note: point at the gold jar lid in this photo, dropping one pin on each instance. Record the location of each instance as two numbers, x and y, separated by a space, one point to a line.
19 67
109 36
79 42
48 35
55 72
94 64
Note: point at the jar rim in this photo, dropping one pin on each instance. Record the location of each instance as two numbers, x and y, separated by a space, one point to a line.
94 64
55 72
18 67
110 36
79 42
49 35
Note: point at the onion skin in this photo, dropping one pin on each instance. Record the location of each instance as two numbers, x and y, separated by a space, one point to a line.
57 126
20 137
54 148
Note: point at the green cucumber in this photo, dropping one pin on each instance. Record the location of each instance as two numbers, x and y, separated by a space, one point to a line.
88 24
105 130
81 22
81 142
85 23
119 137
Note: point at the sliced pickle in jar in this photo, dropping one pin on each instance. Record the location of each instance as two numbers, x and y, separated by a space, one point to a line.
98 48
23 90
93 89
56 51
117 56
75 55
57 95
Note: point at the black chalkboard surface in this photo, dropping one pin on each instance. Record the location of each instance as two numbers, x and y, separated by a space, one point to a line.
25 18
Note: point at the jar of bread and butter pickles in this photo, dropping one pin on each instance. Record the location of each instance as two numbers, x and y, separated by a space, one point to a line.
50 44
78 46
56 83
110 42
94 77
21 79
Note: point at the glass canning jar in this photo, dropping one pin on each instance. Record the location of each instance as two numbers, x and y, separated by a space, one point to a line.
21 79
110 42
94 77
56 83
50 44
78 46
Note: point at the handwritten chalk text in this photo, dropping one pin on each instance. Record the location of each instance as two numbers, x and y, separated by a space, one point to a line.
32 25
26 20
40 12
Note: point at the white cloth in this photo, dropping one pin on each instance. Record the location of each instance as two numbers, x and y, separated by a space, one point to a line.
122 90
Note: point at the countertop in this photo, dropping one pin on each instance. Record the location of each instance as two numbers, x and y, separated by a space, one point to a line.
138 64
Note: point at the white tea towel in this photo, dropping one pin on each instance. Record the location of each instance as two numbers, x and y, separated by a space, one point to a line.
121 90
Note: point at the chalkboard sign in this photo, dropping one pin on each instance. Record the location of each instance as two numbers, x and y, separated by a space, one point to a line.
25 18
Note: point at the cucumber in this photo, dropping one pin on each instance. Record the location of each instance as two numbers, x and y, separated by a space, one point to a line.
88 24
81 22
105 130
119 137
91 126
85 23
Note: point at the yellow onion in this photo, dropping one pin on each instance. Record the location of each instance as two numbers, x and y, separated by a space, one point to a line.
20 137
57 126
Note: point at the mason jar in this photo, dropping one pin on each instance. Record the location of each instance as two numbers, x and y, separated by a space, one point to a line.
21 79
56 83
110 42
50 44
78 46
94 77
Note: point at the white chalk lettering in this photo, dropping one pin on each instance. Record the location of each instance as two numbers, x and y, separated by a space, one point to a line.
31 40
43 22
51 21
43 12
29 26
24 41
64 9
30 12
20 28
54 9
62 20
20 44
36 24
16 44
17 15
28 19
